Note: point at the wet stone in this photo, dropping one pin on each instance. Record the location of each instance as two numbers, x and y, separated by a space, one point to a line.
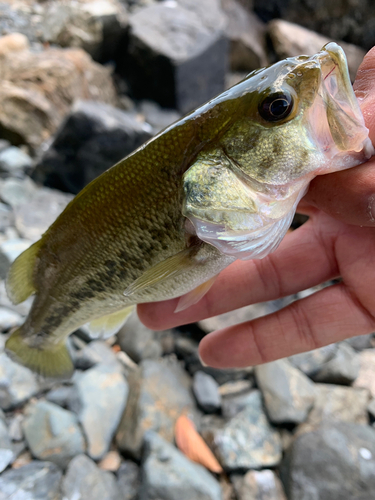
128 479
159 393
338 403
342 368
366 376
371 408
258 485
248 440
94 353
168 474
310 362
6 450
288 393
206 391
233 404
85 481
14 161
36 480
15 430
52 433
162 63
102 393
138 341
93 137
9 319
17 383
65 396
334 462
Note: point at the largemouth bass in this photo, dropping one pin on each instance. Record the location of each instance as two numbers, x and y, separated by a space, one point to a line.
222 183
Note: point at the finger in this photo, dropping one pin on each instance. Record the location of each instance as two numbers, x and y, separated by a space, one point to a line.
348 196
327 316
365 92
301 261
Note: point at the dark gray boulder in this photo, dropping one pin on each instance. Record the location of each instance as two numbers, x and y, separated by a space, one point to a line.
94 137
174 57
334 462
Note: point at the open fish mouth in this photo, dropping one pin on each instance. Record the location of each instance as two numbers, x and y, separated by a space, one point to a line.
343 115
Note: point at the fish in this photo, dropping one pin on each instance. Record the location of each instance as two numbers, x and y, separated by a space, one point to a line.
220 184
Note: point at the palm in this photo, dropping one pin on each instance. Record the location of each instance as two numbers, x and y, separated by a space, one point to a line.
322 249
341 244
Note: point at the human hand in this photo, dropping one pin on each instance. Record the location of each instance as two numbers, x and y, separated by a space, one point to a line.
337 241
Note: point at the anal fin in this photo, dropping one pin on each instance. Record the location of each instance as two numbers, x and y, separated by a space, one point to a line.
168 268
191 298
52 361
108 325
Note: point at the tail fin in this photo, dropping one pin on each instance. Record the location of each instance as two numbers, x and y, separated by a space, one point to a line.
52 361
19 283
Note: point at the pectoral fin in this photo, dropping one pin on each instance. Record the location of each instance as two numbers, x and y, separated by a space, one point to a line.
170 267
110 324
194 296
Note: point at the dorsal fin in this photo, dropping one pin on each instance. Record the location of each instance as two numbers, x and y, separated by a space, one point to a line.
19 283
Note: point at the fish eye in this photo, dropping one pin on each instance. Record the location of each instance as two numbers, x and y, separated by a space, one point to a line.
276 107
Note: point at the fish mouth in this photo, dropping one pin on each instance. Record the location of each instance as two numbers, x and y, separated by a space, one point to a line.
346 127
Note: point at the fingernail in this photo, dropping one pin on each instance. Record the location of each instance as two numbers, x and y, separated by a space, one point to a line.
202 362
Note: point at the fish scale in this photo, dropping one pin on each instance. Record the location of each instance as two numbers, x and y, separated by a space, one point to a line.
221 183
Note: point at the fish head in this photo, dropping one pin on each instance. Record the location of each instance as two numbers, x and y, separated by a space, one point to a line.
294 120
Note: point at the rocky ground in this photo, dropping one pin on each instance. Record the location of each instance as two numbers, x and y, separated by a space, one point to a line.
83 83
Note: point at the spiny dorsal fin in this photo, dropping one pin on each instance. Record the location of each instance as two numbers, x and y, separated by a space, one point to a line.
19 283
172 266
52 361
108 325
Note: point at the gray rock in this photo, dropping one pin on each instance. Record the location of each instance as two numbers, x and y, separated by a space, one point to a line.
235 388
10 250
17 383
206 390
366 376
15 430
6 451
233 404
94 353
342 368
371 408
310 362
13 160
258 485
167 474
334 462
6 218
8 318
93 137
159 118
247 35
361 342
288 393
159 393
52 433
96 27
337 403
138 341
102 392
85 481
21 309
128 480
17 192
29 110
339 21
34 481
162 63
290 40
65 396
4 144
188 350
247 440
35 216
